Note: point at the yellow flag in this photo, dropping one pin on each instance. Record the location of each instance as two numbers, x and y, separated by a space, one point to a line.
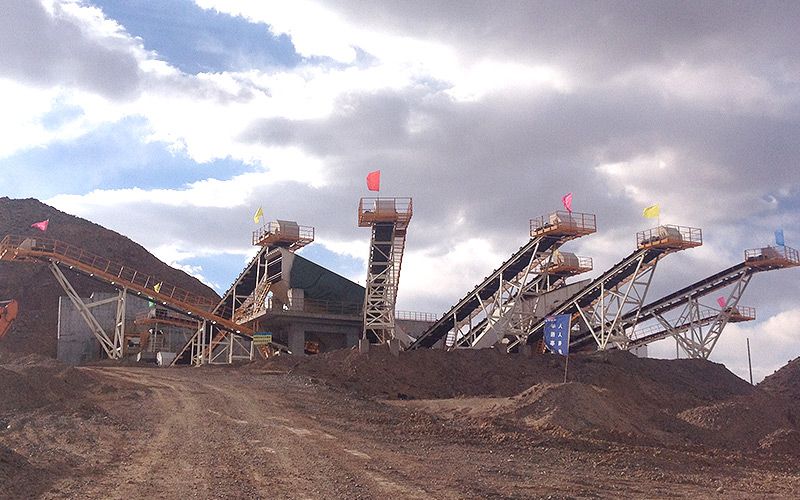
157 287
259 214
651 212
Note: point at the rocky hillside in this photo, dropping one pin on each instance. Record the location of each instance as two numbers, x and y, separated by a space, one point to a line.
35 288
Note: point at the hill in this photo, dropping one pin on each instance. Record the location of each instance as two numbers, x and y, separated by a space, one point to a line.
34 286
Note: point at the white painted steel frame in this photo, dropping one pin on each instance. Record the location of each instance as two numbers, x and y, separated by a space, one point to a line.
111 346
504 306
381 287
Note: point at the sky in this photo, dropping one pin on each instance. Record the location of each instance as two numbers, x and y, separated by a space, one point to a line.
171 122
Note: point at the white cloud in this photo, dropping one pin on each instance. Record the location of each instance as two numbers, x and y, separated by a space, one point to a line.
432 281
315 30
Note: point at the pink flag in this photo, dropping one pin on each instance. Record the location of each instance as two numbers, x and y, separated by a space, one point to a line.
721 301
374 181
42 226
567 201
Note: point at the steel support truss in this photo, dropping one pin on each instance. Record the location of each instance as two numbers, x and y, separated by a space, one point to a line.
503 312
600 305
383 276
112 345
240 299
602 318
698 327
210 345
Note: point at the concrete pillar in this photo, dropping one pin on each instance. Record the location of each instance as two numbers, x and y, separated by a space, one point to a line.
363 346
394 347
297 340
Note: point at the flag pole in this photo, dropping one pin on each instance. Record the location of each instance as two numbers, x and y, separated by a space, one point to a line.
566 365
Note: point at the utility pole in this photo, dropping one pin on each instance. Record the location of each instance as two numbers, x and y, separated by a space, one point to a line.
749 362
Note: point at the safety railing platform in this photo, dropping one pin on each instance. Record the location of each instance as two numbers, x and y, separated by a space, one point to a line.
670 237
563 223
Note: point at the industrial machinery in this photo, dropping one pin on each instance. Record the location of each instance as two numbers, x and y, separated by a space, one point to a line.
8 313
494 305
388 218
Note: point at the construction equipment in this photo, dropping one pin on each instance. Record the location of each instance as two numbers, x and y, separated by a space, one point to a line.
493 303
621 290
246 299
58 254
698 327
8 313
388 218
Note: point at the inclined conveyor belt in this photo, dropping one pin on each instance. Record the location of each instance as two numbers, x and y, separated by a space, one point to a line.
615 276
510 268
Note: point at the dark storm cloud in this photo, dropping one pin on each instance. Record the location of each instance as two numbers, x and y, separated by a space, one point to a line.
512 156
597 37
50 50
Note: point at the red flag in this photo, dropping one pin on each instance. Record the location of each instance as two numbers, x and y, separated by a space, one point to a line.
721 301
42 226
374 181
567 201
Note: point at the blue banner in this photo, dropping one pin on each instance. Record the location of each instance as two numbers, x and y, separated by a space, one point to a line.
779 237
556 333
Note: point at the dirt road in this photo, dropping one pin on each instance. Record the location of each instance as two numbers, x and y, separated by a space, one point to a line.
234 433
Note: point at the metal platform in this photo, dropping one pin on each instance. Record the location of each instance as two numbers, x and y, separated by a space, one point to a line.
770 257
561 223
283 233
397 211
568 264
670 237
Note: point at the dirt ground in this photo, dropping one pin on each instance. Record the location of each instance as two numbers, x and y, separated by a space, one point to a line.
267 431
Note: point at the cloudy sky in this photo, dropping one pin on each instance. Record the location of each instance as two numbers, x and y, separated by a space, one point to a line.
173 121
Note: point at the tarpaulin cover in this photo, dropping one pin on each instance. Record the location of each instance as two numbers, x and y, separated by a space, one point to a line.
322 284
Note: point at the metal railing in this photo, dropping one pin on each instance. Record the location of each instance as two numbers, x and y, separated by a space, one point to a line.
416 316
572 222
315 306
577 265
743 313
670 236
384 210
777 253
42 247
294 235
159 314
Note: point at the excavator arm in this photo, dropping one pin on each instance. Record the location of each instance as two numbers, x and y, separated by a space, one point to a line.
8 313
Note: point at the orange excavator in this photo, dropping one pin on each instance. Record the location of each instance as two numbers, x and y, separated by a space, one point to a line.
8 313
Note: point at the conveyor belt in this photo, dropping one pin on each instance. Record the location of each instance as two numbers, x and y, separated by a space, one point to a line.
510 268
617 275
20 248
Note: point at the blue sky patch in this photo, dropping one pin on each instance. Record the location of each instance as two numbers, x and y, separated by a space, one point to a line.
111 157
195 40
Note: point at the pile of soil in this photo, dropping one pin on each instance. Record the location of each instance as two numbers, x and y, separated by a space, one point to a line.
33 381
34 287
435 373
785 382
15 472
613 395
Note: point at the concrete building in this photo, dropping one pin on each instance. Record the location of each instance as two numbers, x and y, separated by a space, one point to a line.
309 303
76 344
